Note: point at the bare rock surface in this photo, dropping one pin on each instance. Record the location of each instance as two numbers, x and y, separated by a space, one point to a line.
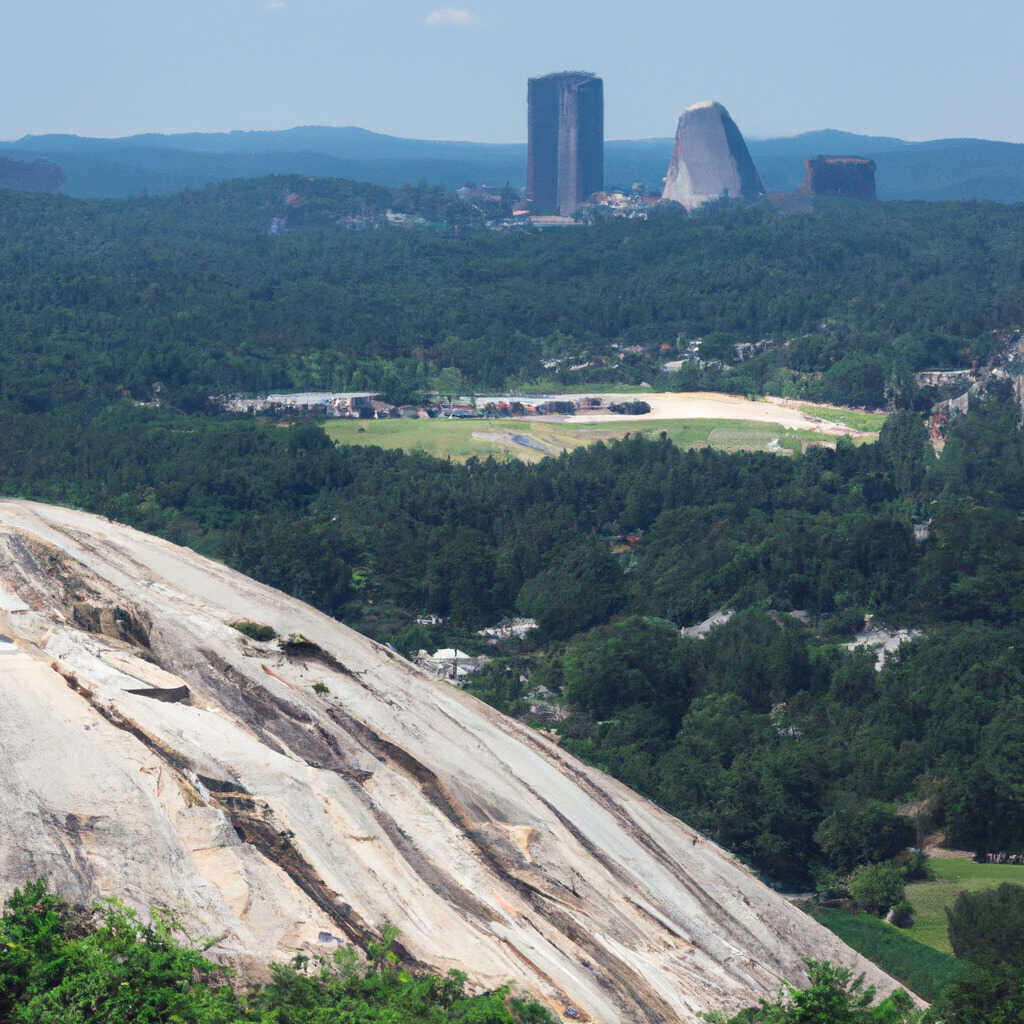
710 161
149 750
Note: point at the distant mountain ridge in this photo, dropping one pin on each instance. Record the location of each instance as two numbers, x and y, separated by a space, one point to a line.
155 163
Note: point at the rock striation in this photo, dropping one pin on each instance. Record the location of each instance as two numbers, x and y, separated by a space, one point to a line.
151 751
710 161
852 177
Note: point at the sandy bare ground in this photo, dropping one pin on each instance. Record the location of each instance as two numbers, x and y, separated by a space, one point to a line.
702 405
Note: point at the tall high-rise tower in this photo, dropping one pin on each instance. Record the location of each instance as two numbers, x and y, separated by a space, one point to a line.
566 147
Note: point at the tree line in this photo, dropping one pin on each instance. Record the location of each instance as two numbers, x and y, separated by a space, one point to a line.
191 292
769 734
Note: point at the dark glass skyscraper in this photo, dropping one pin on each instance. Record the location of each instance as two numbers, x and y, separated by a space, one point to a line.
566 145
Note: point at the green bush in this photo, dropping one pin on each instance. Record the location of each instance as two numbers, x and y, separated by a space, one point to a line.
981 996
916 867
903 914
835 996
254 630
111 968
877 887
987 928
861 832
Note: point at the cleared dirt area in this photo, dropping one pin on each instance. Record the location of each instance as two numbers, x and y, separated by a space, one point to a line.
698 405
690 420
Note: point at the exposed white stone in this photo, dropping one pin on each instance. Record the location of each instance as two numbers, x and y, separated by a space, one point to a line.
286 818
710 161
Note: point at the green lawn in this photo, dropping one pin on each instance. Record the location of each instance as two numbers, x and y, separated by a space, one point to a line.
853 418
930 899
920 968
461 439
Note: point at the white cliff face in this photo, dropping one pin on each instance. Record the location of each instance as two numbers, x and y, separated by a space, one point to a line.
284 819
710 160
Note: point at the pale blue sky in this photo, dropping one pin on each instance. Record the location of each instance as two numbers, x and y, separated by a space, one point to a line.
912 68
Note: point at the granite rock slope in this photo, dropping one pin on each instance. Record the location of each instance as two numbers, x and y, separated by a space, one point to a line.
710 161
149 750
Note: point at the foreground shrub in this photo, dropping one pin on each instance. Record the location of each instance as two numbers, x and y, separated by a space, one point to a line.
106 966
834 996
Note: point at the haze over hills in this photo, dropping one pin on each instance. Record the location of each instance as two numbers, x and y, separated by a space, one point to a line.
938 169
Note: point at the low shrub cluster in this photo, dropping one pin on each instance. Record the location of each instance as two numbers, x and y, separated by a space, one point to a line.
106 966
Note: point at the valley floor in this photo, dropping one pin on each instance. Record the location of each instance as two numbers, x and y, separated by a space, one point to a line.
952 876
694 420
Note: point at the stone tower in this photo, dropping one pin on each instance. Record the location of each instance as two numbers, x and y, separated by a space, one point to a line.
711 160
566 141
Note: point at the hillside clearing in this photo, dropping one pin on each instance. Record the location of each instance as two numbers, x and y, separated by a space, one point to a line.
952 876
856 419
530 440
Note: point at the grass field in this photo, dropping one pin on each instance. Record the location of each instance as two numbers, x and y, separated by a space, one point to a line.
856 419
920 968
532 440
930 899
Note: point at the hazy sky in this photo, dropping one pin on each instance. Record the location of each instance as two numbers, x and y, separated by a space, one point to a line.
912 68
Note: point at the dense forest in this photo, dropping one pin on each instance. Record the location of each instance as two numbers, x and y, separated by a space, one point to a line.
193 292
721 731
770 735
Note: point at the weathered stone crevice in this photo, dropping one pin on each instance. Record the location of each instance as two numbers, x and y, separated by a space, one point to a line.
72 590
624 983
242 809
167 695
431 811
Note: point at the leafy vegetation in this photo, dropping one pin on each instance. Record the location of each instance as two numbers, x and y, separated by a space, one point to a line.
922 969
835 996
106 966
981 996
876 888
987 928
191 292
769 735
254 630
932 900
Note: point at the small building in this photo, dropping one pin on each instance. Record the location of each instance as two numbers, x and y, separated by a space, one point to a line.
450 663
507 629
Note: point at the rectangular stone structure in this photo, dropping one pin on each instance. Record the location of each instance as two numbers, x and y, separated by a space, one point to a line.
565 162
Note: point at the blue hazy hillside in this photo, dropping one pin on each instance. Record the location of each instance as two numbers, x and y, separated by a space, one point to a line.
940 169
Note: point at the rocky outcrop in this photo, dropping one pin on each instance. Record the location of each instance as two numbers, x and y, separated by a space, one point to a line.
852 177
293 796
711 161
37 176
